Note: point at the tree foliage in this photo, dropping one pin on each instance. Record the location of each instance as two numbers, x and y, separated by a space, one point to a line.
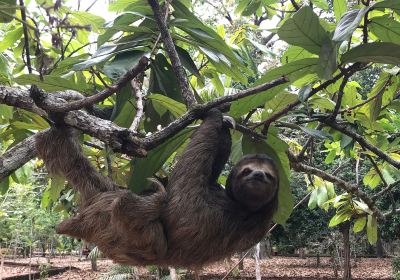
325 75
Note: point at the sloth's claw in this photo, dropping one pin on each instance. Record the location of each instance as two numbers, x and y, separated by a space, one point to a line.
229 121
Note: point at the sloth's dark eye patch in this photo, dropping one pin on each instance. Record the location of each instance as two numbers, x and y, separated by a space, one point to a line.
246 171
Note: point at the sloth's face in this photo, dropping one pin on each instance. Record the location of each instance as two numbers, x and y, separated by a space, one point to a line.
255 184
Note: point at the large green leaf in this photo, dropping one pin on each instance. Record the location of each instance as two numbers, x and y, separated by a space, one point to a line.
388 53
122 63
348 24
359 224
327 60
85 18
124 110
339 8
294 53
372 229
304 30
144 168
187 61
322 4
392 4
293 70
4 185
163 79
50 83
10 38
276 149
279 102
244 105
386 29
8 9
176 108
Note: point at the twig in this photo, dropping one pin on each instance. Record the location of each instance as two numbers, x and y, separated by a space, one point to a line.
295 5
309 141
369 99
388 188
365 27
26 36
187 93
349 71
361 140
339 98
136 90
88 101
348 187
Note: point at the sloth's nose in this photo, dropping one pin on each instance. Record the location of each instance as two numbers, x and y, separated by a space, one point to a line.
257 174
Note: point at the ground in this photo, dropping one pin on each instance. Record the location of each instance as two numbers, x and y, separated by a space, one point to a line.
271 269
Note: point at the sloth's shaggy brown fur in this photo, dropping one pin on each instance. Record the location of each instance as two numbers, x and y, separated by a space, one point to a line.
194 222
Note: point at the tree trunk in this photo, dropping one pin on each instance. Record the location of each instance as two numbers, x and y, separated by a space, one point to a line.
379 247
345 230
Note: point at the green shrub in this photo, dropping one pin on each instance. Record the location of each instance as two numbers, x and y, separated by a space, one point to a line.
396 268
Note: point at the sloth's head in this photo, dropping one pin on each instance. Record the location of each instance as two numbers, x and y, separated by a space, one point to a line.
254 182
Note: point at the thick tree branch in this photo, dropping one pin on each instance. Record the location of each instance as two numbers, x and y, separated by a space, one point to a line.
17 156
179 71
348 187
91 100
120 139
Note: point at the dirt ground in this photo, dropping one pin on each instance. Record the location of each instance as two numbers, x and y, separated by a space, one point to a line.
271 269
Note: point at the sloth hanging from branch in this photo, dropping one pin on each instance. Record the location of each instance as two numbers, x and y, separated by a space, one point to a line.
194 222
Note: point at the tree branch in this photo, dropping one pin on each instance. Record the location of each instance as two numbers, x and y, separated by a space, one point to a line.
348 187
50 106
17 156
179 71
26 36
361 140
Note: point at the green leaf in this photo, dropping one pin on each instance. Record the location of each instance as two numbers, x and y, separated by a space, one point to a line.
294 53
187 61
339 218
385 28
276 149
319 134
86 18
372 179
293 70
8 8
6 112
163 79
102 54
387 53
10 38
312 202
125 108
372 229
348 24
279 102
304 93
144 168
322 196
50 83
244 105
322 4
327 60
392 4
304 30
4 185
359 224
120 5
122 63
53 191
339 8
176 108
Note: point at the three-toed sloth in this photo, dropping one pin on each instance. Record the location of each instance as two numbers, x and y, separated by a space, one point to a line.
196 221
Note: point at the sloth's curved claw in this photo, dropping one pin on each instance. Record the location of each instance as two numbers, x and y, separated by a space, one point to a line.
229 121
